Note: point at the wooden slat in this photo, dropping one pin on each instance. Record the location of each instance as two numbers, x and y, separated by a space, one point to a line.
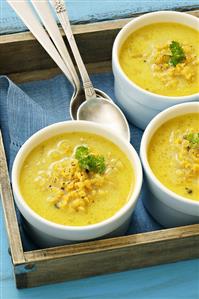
110 255
93 68
21 53
9 210
80 29
113 243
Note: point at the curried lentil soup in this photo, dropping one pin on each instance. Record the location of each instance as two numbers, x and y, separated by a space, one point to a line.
163 58
173 155
76 179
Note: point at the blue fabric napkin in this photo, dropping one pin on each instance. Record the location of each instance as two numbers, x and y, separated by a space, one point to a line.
26 108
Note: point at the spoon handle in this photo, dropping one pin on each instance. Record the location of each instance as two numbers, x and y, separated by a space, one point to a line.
25 12
45 14
64 20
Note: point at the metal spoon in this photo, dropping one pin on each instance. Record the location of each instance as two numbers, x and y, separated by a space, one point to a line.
79 98
97 109
30 19
43 10
58 50
59 53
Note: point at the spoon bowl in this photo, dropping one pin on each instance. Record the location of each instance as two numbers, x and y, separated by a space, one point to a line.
104 111
95 108
79 97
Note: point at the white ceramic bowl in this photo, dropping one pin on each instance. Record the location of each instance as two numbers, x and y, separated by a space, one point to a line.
140 105
47 233
167 207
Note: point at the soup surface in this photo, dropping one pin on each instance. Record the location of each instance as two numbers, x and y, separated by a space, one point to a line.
76 179
173 155
163 58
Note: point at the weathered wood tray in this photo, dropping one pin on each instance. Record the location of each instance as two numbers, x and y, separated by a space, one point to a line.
23 59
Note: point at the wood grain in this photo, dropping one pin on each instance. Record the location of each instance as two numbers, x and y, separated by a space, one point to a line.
110 255
90 11
183 232
9 210
93 68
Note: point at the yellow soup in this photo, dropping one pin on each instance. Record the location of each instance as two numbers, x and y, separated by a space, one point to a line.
76 179
173 155
163 58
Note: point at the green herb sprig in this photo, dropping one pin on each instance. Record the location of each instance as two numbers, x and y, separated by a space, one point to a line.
193 139
89 162
177 52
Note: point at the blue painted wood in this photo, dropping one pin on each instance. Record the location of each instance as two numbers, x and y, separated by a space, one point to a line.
81 11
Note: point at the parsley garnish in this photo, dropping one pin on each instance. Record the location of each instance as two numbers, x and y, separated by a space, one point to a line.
81 152
177 52
193 139
89 162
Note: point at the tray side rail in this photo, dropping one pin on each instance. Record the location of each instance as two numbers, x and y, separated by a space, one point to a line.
107 256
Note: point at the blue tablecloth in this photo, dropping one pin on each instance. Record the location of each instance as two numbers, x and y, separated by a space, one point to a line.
28 108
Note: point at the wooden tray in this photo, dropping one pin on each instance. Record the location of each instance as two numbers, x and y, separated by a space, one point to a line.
23 59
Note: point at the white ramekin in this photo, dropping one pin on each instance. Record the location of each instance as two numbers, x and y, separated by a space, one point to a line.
167 207
140 105
47 233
